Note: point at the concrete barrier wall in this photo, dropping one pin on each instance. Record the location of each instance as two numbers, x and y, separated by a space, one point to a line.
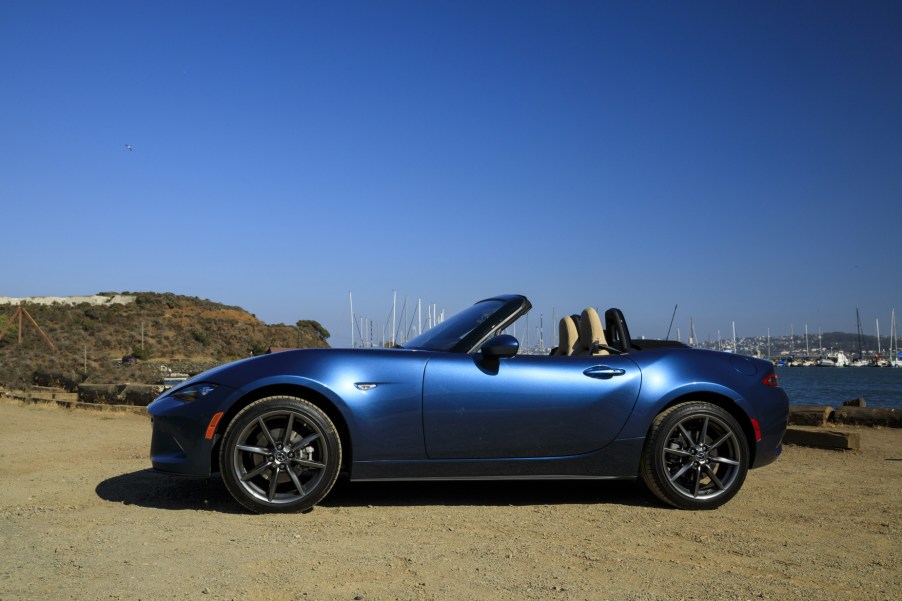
118 394
117 299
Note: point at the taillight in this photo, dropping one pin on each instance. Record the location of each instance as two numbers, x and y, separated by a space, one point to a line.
770 380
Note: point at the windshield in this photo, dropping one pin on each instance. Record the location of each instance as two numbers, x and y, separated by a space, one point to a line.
469 327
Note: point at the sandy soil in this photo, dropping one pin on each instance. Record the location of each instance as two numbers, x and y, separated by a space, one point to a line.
82 517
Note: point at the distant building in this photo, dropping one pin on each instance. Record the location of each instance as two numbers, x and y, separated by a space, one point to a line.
279 349
173 380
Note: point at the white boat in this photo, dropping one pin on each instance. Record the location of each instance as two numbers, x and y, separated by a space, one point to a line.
837 359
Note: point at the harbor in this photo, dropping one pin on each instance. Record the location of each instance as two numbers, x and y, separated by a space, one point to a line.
833 387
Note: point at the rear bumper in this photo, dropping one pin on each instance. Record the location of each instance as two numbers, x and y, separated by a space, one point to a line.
772 421
769 456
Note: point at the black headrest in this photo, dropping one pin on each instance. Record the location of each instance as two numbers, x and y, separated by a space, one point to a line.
616 330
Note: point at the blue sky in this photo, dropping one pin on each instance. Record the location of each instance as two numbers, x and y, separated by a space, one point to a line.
740 159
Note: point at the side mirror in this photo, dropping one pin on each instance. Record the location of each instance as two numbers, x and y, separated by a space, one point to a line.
500 347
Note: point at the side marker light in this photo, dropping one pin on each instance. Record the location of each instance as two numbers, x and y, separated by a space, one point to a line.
770 380
211 429
757 428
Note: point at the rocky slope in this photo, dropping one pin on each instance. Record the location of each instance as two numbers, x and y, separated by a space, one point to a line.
162 331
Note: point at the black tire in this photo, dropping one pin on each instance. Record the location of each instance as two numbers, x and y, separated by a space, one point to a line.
280 454
695 457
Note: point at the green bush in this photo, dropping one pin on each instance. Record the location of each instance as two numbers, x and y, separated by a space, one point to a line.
200 336
142 354
321 332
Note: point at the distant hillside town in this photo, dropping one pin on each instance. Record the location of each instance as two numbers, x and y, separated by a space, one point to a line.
868 349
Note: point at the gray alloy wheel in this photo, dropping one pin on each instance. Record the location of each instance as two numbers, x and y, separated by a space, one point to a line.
280 454
695 457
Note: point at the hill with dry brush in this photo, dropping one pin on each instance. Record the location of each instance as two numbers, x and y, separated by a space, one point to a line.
162 331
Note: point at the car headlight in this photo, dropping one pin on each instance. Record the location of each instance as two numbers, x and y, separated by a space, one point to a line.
194 392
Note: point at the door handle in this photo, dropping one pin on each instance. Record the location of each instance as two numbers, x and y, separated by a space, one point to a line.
603 372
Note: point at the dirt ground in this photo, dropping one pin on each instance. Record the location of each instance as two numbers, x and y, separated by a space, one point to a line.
83 517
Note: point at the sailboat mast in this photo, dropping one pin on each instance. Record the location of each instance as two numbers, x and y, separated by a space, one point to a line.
895 348
858 319
351 301
878 336
394 305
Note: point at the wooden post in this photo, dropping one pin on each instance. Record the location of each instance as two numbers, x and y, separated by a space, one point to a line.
20 312
10 322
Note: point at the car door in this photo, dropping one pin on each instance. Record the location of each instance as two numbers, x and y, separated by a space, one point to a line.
525 406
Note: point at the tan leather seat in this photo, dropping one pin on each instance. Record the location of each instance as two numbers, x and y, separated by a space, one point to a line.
591 334
569 336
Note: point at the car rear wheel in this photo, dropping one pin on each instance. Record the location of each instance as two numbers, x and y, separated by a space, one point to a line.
280 454
695 457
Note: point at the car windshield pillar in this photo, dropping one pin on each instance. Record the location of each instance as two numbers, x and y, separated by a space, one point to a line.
463 332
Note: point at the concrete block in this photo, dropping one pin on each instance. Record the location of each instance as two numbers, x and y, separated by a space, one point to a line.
823 439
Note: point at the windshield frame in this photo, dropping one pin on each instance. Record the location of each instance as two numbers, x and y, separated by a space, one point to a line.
462 333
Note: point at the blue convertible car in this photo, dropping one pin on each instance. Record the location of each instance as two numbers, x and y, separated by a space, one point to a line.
459 402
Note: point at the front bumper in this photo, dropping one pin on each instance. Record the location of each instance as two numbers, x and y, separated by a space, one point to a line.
178 444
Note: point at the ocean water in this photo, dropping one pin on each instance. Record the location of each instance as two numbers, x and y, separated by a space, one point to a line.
879 386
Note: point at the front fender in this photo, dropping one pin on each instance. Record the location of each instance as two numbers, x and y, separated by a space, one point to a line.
384 418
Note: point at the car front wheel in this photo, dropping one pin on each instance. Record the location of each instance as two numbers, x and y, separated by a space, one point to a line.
695 457
280 454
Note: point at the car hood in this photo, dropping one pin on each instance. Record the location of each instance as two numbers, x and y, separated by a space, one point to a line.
296 362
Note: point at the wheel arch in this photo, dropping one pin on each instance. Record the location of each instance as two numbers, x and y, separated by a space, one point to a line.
725 403
293 390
